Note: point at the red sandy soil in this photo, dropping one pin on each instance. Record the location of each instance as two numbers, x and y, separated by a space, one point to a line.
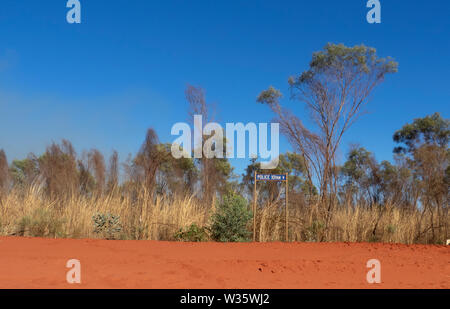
41 263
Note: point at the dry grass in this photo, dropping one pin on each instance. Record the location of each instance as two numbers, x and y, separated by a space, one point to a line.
140 218
31 212
386 223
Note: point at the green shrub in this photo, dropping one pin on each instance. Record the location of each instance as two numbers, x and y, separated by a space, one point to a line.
230 222
193 233
107 225
41 224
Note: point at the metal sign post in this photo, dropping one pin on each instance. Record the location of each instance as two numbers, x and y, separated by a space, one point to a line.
270 177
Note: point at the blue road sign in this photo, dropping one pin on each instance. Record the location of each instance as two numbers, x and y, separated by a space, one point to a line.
270 177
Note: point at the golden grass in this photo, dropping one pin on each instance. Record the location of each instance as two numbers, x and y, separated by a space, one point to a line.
142 217
387 223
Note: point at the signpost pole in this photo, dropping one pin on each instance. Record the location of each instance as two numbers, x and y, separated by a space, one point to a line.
287 208
271 177
254 210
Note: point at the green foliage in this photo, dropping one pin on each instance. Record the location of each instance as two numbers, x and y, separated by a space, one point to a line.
107 225
23 170
337 58
193 233
361 173
356 164
230 222
178 174
41 224
424 147
269 96
430 130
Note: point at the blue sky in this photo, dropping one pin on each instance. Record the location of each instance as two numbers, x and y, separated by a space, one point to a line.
103 82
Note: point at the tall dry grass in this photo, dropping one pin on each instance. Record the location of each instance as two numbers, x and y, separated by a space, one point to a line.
385 223
141 216
31 212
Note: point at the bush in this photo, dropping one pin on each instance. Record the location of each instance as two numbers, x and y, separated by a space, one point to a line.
107 225
230 222
193 233
41 224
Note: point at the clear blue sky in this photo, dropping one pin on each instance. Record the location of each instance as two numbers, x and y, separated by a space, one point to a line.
104 82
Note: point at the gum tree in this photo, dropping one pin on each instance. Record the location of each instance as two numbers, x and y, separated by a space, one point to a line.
334 90
424 145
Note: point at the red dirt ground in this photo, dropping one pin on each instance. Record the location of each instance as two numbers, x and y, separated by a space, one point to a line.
41 263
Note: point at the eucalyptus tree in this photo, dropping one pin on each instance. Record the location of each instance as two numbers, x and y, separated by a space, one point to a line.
334 89
424 144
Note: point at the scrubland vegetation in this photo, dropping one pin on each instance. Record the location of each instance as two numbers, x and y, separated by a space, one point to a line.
153 196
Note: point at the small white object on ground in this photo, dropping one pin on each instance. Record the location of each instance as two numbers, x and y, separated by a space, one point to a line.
448 242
